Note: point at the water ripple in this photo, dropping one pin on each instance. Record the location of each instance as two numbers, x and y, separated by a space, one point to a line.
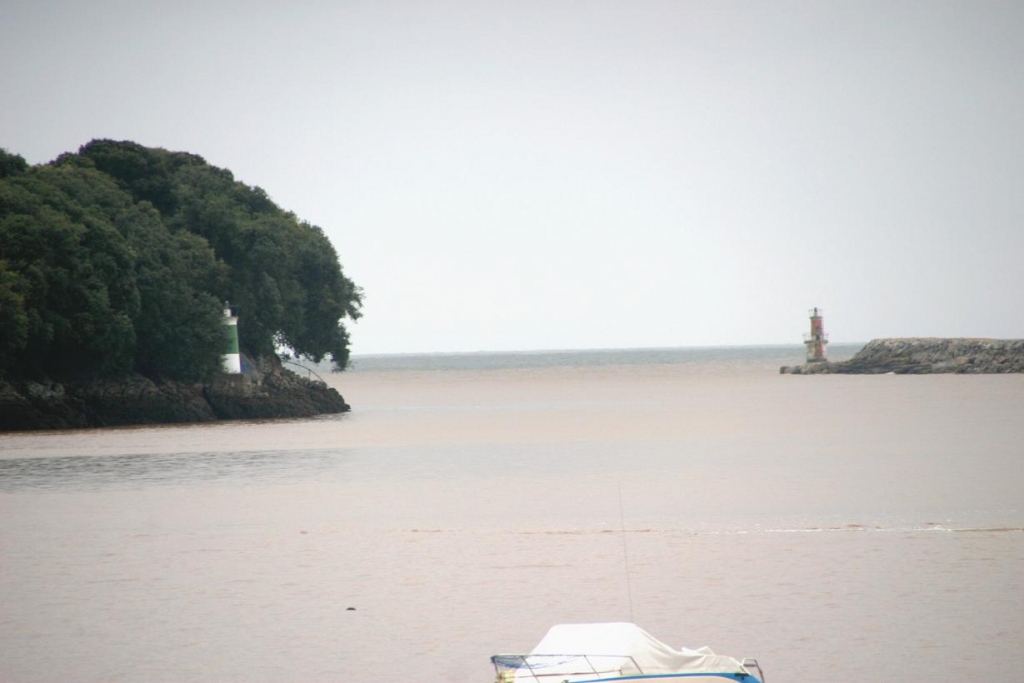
141 470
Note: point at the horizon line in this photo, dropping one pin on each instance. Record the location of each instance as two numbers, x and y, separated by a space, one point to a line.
606 349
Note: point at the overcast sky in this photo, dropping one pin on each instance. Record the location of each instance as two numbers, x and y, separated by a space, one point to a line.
592 174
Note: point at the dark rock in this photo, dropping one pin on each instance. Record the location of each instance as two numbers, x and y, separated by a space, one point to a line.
34 405
267 391
271 392
137 400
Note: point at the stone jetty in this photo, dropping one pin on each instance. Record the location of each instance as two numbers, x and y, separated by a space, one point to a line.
922 356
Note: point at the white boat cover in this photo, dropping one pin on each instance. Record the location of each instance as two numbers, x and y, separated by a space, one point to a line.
615 649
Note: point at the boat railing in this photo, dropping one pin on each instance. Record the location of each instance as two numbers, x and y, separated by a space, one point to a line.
751 663
549 667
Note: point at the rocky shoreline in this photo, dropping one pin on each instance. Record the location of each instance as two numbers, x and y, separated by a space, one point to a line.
923 356
267 391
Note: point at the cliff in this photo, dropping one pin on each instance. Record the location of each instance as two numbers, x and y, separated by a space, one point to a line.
920 356
269 391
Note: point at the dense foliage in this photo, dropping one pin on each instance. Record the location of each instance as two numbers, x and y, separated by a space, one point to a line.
118 259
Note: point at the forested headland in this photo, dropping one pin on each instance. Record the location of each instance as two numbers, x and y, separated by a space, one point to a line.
116 263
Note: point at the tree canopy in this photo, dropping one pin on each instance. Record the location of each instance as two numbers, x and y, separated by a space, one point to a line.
119 259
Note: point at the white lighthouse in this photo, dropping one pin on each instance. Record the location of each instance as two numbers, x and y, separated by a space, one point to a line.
232 359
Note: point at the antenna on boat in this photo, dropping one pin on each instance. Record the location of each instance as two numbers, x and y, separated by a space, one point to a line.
625 554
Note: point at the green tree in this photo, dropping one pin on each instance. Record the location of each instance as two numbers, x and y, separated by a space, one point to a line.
282 276
14 319
118 259
76 274
11 164
180 332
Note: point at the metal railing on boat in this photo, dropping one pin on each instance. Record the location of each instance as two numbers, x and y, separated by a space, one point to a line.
506 666
563 669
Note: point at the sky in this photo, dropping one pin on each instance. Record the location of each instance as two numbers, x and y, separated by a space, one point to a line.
582 174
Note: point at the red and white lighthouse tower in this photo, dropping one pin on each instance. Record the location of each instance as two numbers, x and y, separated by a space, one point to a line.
817 339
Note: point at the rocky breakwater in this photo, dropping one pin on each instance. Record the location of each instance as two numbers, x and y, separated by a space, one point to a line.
922 356
267 391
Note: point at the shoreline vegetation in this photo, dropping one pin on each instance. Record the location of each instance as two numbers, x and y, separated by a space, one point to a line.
924 356
117 263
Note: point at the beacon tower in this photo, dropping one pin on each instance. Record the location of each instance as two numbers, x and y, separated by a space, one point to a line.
817 339
232 360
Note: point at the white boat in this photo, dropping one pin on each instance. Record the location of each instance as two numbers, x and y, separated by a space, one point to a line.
585 653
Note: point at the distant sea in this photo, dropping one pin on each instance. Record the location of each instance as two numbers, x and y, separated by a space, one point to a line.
836 527
766 356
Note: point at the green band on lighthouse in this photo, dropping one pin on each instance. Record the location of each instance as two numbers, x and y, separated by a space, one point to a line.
232 334
232 359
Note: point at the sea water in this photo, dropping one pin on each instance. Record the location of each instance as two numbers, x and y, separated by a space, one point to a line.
835 527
